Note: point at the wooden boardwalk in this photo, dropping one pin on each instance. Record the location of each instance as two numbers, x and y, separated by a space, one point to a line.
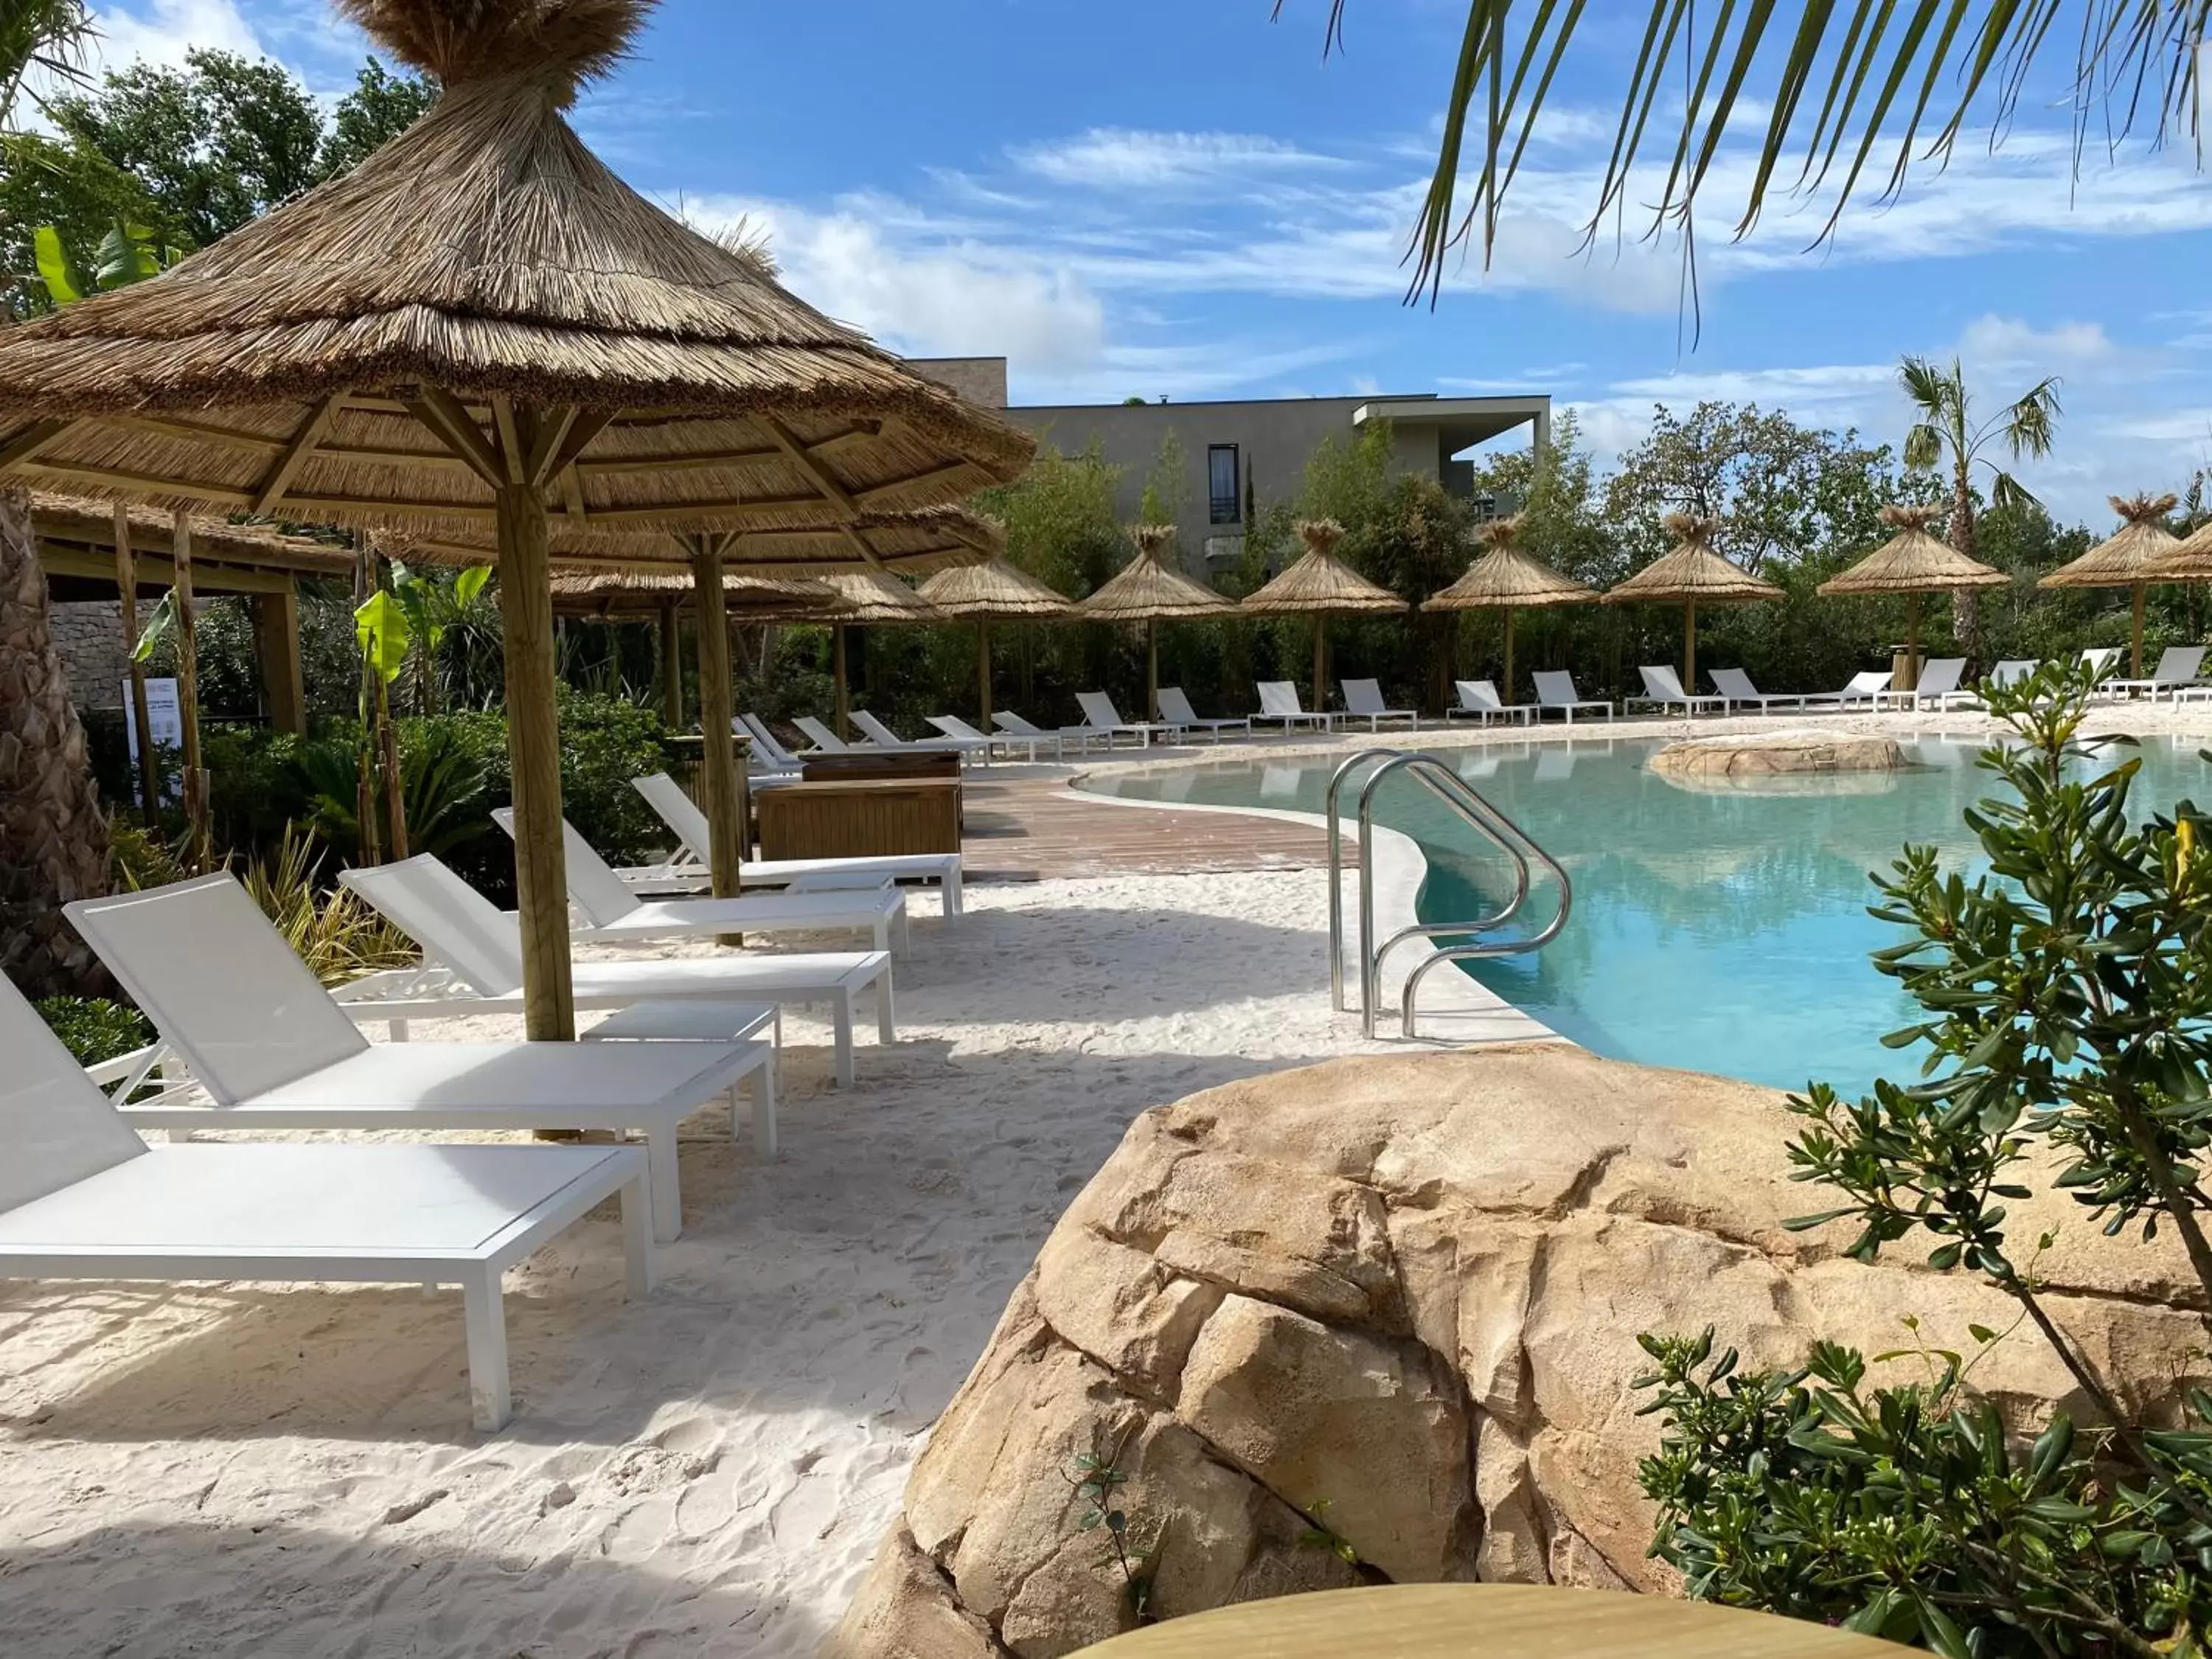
1026 828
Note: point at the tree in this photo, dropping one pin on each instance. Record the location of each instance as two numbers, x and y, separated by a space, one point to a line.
380 106
47 35
1825 100
1947 431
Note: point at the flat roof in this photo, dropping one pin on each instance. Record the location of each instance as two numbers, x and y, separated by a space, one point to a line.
1464 421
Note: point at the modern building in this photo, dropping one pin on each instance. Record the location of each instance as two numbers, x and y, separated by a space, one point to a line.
1241 455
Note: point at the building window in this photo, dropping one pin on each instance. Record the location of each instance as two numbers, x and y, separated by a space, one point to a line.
1224 501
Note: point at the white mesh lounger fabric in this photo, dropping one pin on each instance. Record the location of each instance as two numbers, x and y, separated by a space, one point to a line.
1279 700
618 916
1556 693
1102 717
1363 701
1177 712
474 966
273 1051
682 815
83 1197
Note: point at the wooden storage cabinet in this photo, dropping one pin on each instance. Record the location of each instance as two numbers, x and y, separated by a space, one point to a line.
868 819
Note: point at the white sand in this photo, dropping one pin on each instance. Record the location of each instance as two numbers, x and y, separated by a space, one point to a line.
233 1469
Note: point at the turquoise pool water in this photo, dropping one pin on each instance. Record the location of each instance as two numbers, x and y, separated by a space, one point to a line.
1718 932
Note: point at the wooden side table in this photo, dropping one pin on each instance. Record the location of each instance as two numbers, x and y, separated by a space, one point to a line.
876 818
1486 1621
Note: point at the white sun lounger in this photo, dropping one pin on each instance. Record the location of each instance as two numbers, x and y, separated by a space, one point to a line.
1105 720
2178 666
273 1051
2011 672
1363 701
825 741
1556 694
1005 743
1862 688
1177 712
616 915
1479 700
1663 688
978 747
83 1197
2102 658
1279 702
1018 725
684 817
780 762
1735 687
1938 687
472 965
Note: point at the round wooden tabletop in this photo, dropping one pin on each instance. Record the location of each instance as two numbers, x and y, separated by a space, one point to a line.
1494 1621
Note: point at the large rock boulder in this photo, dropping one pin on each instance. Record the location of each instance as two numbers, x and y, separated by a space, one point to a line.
1772 762
1377 1319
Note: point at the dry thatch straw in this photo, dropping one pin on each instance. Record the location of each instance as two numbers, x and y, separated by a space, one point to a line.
994 591
1505 576
2127 557
612 595
76 538
482 266
1319 582
1914 561
867 599
1146 589
2131 557
1692 574
2188 560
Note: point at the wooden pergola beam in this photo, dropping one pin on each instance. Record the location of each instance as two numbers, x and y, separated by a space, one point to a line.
890 486
27 442
451 424
111 478
168 426
279 477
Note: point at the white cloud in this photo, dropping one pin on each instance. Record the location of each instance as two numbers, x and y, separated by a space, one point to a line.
1116 158
163 31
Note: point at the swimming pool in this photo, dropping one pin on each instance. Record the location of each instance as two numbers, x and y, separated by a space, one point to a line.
1717 932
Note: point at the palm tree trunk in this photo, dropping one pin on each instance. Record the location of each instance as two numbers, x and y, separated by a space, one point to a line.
53 835
1965 604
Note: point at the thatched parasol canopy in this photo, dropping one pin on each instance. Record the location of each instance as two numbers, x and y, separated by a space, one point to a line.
1145 590
608 595
478 326
76 548
1508 579
1913 561
862 598
1319 585
982 592
2188 560
2129 557
1690 575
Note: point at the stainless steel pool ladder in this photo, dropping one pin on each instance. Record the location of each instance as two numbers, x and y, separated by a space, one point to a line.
1508 837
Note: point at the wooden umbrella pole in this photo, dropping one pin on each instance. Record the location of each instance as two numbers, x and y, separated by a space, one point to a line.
1913 641
1153 669
1690 647
1511 615
837 667
718 770
127 588
533 742
983 673
671 668
2136 669
1321 660
198 829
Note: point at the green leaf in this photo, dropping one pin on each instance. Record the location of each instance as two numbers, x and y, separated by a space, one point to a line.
54 266
159 626
380 626
470 583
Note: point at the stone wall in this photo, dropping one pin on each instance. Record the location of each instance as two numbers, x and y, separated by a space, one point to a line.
90 637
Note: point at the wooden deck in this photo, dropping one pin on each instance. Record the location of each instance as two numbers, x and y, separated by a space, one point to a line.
1026 828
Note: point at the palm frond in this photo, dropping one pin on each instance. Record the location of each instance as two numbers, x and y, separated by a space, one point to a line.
1897 79
1923 447
2005 491
2028 422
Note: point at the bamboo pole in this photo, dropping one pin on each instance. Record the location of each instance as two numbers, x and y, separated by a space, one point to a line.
395 792
983 672
671 668
198 832
370 849
127 588
718 767
533 740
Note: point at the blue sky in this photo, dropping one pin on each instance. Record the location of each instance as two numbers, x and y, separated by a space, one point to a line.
1179 197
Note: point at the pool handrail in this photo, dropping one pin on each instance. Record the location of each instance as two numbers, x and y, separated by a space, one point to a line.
1469 805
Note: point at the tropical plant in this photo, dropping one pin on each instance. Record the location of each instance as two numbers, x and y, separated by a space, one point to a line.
2067 997
1947 431
128 254
1825 86
335 932
95 1029
430 607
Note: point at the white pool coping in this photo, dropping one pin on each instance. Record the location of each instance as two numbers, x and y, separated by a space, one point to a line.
1455 1011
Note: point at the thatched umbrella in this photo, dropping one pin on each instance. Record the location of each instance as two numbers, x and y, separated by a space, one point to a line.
1510 579
1147 590
1690 575
984 593
482 325
862 599
1318 584
1914 561
2129 557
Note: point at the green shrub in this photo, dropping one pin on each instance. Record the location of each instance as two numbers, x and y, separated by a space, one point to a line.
95 1029
2068 997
